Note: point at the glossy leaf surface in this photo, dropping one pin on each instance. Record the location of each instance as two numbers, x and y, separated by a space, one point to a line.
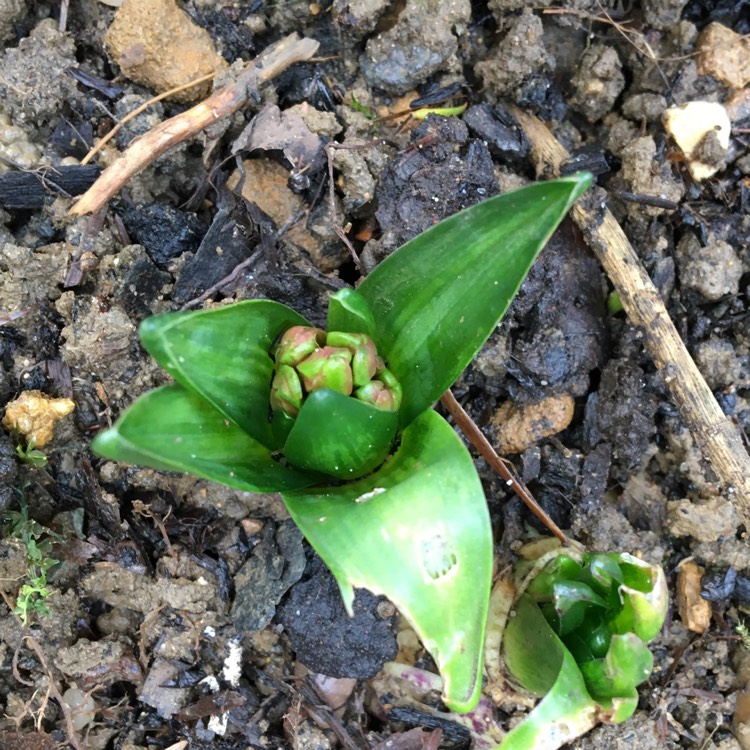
418 532
349 312
172 428
567 710
223 355
438 297
340 436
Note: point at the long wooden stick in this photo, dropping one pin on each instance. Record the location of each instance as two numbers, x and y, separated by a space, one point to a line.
222 103
717 436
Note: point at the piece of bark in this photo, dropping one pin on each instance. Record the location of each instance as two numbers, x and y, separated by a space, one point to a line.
32 189
169 133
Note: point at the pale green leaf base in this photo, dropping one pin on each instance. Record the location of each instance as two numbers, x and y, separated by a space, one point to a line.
418 532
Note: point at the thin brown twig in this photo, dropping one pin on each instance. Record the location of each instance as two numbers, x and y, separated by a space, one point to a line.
480 442
154 100
222 103
52 689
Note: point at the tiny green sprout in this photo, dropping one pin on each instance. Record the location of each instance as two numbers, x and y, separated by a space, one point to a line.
340 421
744 633
31 455
614 303
579 641
37 542
357 106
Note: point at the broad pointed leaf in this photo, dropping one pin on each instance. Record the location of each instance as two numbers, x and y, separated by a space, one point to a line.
438 297
223 355
418 532
172 428
340 436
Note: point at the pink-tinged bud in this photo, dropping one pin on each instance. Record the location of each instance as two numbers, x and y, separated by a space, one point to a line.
392 384
329 367
364 354
298 343
377 394
286 391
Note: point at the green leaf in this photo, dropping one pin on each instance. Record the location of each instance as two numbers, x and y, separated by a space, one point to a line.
348 312
417 531
559 568
438 297
572 599
222 354
340 436
172 428
532 652
627 664
644 607
537 658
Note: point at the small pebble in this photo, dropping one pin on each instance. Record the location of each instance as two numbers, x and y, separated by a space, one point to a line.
724 55
701 130
517 426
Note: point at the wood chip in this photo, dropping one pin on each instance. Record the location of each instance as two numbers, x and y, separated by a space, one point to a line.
695 611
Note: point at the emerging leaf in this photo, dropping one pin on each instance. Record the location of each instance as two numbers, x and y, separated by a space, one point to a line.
437 298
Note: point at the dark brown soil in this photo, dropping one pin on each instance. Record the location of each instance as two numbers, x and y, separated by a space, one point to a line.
185 612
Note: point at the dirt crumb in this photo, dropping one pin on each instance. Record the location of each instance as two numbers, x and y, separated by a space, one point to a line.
155 43
11 12
28 276
725 55
597 82
713 271
705 522
519 57
695 611
719 364
644 174
517 426
35 85
646 106
357 18
662 14
418 46
123 588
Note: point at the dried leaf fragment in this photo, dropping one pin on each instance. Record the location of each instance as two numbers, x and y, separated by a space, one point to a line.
34 415
695 611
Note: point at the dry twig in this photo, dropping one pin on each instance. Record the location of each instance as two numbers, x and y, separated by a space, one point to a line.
717 437
479 441
169 133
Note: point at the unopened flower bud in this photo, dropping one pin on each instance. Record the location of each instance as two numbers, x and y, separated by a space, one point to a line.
377 394
308 359
298 343
364 354
286 391
329 367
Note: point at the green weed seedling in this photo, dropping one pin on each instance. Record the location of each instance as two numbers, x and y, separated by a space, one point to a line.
31 455
37 542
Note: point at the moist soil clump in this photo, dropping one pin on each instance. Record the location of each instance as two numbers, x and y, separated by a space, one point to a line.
179 613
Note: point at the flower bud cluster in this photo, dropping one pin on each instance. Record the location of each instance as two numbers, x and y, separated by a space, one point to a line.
308 359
